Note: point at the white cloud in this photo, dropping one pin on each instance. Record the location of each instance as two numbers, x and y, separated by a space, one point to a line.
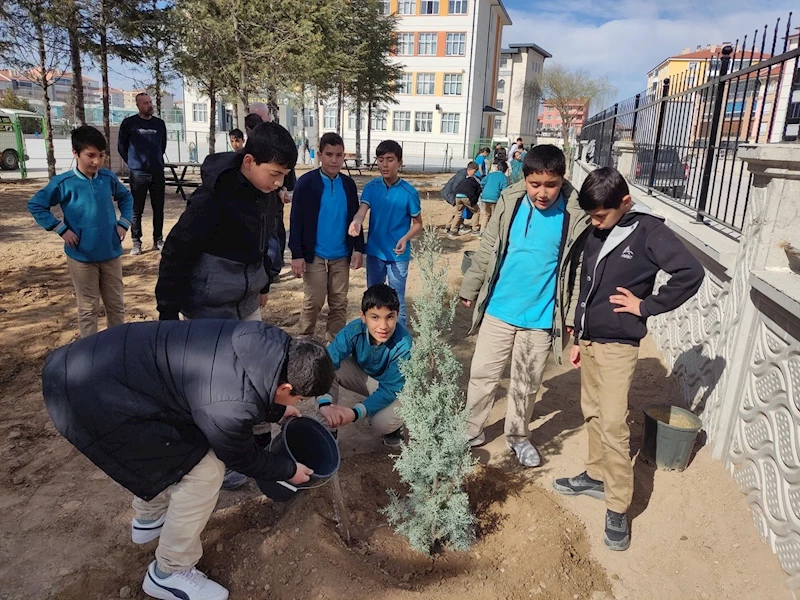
625 39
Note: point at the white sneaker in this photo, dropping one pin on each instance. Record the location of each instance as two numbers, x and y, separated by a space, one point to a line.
526 454
478 440
142 533
182 585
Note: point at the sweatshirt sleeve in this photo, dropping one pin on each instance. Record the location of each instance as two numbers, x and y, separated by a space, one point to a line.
39 206
390 384
685 271
184 244
124 200
163 138
296 224
342 346
123 139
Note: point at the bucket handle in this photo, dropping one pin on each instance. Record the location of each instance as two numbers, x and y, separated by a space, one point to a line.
295 489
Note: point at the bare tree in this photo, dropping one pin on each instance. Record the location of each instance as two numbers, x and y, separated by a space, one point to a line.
567 91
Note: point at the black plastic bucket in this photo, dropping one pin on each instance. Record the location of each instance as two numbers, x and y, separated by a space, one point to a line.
668 436
306 441
466 261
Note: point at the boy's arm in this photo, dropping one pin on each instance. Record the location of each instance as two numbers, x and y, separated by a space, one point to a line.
164 138
124 200
415 212
572 307
389 387
685 271
357 225
296 220
476 274
342 345
39 206
123 140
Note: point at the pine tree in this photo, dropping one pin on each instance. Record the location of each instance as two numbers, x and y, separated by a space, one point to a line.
437 459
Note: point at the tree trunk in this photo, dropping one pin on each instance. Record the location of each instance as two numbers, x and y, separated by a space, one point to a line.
104 73
303 117
358 128
369 131
212 118
340 110
51 156
236 113
75 59
157 90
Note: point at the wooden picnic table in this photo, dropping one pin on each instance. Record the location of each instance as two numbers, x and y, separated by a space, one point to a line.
179 181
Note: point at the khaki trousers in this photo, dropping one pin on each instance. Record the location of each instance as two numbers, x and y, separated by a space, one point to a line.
486 214
93 281
353 378
529 350
323 279
458 217
606 375
188 504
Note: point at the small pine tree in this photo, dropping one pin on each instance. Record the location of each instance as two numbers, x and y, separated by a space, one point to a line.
437 459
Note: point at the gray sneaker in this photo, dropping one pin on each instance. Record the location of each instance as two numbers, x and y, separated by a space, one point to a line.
158 245
394 439
137 249
618 531
526 453
233 480
478 440
580 485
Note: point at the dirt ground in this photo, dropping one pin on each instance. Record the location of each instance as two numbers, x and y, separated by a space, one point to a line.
64 525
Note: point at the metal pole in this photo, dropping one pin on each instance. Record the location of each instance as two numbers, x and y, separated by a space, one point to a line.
635 116
613 129
712 139
597 158
424 148
659 129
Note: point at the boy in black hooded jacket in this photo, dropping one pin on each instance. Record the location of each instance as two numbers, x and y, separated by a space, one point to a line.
621 259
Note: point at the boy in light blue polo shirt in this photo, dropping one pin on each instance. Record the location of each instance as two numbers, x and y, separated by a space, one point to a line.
395 220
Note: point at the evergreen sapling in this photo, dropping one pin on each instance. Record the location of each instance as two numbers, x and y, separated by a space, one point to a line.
437 458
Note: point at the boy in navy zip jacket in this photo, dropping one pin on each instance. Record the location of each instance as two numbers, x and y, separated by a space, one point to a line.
621 258
325 202
91 230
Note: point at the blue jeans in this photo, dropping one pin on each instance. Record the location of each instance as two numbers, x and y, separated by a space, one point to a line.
392 273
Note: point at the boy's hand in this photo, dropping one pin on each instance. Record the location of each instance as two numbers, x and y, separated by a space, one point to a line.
298 266
291 411
121 232
628 303
336 416
262 300
301 475
70 239
355 229
467 303
400 247
285 196
356 261
575 356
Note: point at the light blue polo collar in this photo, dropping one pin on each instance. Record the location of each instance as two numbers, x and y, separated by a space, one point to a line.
77 172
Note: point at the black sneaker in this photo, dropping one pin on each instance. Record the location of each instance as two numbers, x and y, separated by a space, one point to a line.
580 484
233 480
394 439
618 531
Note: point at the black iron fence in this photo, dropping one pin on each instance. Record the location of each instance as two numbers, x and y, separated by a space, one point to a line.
685 130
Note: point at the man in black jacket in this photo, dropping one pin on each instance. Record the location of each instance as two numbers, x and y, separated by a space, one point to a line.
162 407
621 259
215 263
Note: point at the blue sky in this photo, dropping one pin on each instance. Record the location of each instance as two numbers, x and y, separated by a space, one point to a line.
624 39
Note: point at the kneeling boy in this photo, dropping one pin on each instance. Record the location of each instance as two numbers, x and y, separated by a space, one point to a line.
163 407
366 355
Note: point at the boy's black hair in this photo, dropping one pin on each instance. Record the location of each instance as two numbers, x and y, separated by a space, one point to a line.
502 165
389 146
252 121
544 158
269 142
485 149
472 165
236 134
519 139
309 368
86 136
330 139
603 188
380 295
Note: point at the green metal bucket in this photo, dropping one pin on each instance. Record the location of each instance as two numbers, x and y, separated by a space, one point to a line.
669 435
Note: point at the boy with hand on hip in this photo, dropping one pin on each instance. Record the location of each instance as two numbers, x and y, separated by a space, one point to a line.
325 202
91 230
523 286
395 204
622 256
366 355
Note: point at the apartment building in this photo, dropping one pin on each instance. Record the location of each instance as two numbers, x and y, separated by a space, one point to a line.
450 52
550 120
25 86
521 66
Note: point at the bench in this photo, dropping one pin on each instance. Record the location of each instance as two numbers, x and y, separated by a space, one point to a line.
351 161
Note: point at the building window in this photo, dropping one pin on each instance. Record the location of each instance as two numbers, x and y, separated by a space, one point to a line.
503 62
456 44
406 7
498 123
404 84
384 6
452 84
450 122
427 44
199 113
405 44
425 84
499 104
351 121
501 86
423 122
401 120
329 117
379 120
457 7
429 7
